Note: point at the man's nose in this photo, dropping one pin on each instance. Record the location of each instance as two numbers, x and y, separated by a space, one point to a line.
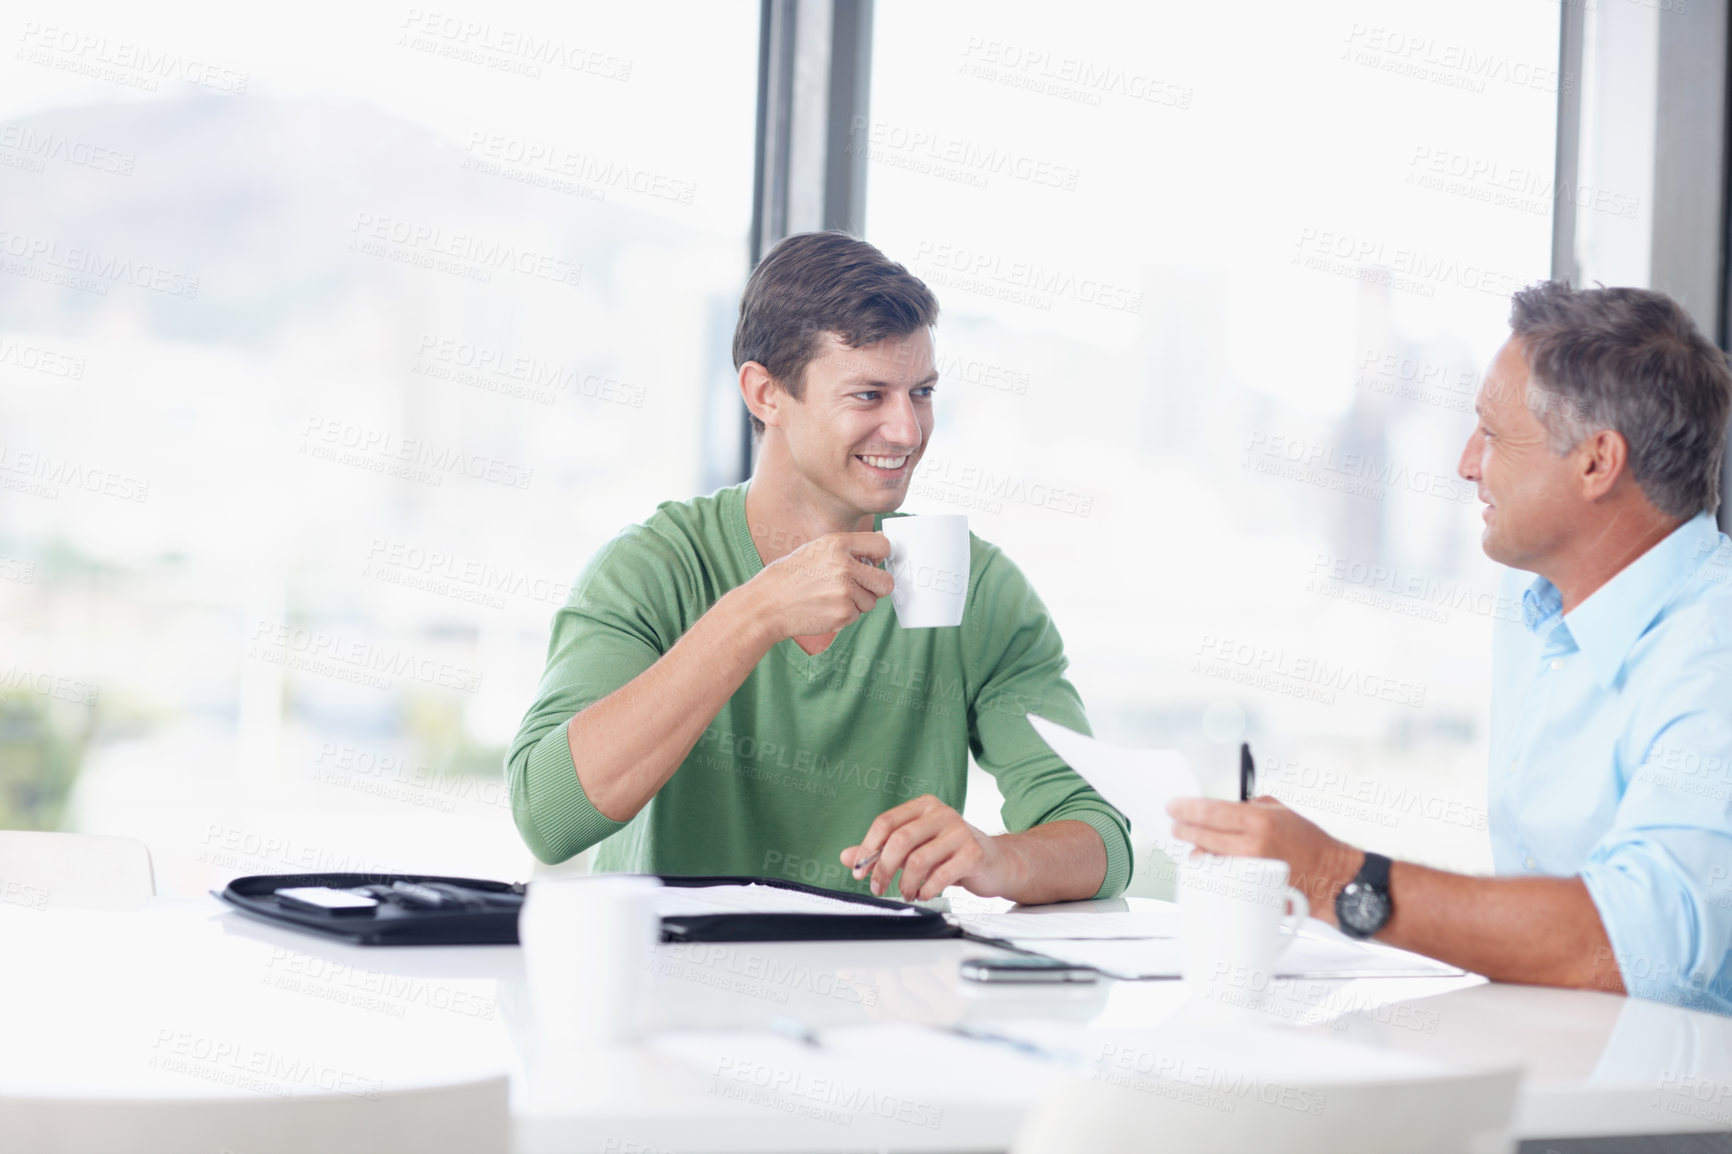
901 426
1468 467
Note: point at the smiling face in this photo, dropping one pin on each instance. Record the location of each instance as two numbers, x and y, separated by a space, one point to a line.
863 420
1533 501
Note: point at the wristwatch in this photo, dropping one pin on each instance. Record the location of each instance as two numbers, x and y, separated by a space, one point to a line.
1363 907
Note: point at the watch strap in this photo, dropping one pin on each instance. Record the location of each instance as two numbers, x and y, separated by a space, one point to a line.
1374 872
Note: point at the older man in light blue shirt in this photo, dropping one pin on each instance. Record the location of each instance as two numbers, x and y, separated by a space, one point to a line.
1611 754
1602 426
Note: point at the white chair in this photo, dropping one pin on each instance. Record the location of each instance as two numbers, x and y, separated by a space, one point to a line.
1208 1114
463 1118
74 871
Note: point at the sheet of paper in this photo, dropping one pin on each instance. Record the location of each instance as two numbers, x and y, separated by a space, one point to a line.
1121 958
1341 957
1312 956
855 1068
1146 918
687 901
1271 1051
1138 782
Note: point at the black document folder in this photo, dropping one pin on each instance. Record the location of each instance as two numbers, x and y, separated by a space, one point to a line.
481 912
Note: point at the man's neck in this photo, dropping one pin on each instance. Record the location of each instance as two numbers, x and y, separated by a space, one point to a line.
783 513
1608 551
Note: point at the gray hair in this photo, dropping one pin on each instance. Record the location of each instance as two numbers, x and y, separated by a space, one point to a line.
1632 361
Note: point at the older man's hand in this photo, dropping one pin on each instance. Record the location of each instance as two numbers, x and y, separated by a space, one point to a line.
1318 865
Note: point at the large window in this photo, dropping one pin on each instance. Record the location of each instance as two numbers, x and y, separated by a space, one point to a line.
331 346
1218 285
330 349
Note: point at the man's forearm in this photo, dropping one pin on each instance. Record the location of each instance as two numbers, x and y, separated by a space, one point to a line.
1541 931
1061 861
627 745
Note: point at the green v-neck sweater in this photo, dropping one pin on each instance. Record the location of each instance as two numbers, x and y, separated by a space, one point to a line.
810 748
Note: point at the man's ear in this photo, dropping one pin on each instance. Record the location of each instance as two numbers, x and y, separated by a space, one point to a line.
1604 458
763 396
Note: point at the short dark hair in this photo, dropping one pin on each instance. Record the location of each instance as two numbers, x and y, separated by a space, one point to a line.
814 283
1633 361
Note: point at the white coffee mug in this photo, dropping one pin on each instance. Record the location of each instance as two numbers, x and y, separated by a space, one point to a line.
588 948
1236 917
929 560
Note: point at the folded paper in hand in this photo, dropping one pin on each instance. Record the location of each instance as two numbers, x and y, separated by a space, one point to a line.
1138 782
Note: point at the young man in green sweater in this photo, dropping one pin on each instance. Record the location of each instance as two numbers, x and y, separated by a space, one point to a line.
727 690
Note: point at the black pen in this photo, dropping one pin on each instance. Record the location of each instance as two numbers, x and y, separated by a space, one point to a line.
1247 773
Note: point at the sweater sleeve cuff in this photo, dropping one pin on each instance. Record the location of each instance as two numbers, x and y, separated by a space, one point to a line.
1114 837
557 819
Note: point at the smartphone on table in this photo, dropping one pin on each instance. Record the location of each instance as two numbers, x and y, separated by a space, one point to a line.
324 899
1026 969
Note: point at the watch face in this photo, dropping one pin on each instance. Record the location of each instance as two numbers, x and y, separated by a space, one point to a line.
1361 909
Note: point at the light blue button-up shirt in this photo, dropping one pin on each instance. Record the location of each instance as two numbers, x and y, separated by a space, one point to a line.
1611 758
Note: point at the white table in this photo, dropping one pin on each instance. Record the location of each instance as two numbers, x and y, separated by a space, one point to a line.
189 998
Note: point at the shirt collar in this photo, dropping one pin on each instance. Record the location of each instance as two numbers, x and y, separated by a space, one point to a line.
1540 603
1607 624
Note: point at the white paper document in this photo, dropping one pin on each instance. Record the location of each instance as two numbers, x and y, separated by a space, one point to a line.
688 901
855 1068
1138 782
1142 918
1314 955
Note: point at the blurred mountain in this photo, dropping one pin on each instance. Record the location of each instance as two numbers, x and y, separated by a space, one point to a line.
258 199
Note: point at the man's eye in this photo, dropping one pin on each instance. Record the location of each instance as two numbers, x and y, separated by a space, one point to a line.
868 395
925 390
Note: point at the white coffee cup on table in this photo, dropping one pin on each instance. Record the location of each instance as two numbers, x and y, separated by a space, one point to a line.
588 945
929 560
1237 915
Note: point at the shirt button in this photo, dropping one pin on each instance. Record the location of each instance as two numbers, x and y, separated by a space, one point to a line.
1557 664
1530 863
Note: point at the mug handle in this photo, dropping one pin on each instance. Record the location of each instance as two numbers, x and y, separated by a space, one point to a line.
1291 921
